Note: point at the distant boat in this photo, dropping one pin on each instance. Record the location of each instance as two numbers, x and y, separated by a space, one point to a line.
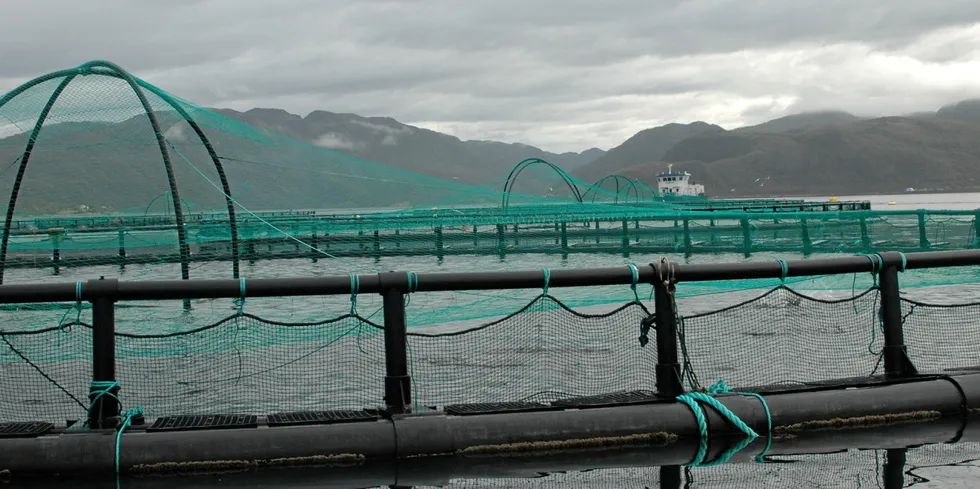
678 183
910 189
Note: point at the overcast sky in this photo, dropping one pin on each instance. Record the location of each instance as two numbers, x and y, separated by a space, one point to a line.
562 75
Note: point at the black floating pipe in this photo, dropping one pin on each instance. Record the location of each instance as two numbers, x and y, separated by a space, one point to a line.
496 434
437 282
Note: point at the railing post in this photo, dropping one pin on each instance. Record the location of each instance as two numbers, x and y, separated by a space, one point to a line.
895 354
103 393
668 369
398 385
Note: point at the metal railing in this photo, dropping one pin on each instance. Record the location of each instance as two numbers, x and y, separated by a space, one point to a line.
104 293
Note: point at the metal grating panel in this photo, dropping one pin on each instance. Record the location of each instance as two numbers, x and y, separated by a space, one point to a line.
497 407
30 429
611 399
208 422
320 417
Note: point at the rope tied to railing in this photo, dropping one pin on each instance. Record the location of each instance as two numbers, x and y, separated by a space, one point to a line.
784 271
547 281
413 285
355 285
240 302
691 400
66 326
635 281
99 389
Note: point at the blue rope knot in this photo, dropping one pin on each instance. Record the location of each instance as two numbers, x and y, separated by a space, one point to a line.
241 296
355 285
784 270
127 422
413 282
691 400
98 389
635 281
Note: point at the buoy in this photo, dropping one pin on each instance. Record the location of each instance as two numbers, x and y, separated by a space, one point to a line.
891 202
833 199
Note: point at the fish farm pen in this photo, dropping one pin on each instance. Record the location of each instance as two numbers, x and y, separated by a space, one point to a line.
353 388
84 241
149 327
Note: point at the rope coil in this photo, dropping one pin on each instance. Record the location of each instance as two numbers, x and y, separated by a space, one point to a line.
692 401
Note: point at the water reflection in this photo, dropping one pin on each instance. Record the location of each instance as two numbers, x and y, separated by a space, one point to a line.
888 465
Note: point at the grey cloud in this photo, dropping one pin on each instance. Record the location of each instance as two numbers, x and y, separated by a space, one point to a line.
568 74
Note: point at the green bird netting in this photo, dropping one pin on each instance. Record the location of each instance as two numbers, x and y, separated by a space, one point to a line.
112 176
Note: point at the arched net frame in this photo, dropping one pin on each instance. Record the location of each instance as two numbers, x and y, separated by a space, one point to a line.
97 197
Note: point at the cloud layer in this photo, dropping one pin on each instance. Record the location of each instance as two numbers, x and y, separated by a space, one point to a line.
562 75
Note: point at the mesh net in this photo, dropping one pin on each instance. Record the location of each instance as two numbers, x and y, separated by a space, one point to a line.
265 355
107 187
98 188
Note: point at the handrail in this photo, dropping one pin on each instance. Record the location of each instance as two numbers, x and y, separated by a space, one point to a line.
461 281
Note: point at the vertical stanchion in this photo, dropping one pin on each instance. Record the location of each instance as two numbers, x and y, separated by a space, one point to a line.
668 369
976 230
687 236
670 477
398 385
122 243
923 237
865 237
895 354
893 474
104 392
746 237
807 244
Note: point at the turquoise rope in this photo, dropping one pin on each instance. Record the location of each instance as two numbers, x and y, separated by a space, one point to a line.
547 279
241 296
355 285
785 270
636 280
105 389
127 422
691 400
904 262
413 282
720 387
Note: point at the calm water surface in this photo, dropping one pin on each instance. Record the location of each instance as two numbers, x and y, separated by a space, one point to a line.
930 466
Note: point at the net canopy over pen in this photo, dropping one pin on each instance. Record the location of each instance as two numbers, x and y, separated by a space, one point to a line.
111 175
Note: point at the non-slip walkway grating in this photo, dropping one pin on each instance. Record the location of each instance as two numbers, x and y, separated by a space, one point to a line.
30 429
611 399
497 407
208 422
320 417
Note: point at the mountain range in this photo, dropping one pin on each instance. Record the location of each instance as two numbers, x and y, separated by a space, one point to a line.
815 153
819 153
